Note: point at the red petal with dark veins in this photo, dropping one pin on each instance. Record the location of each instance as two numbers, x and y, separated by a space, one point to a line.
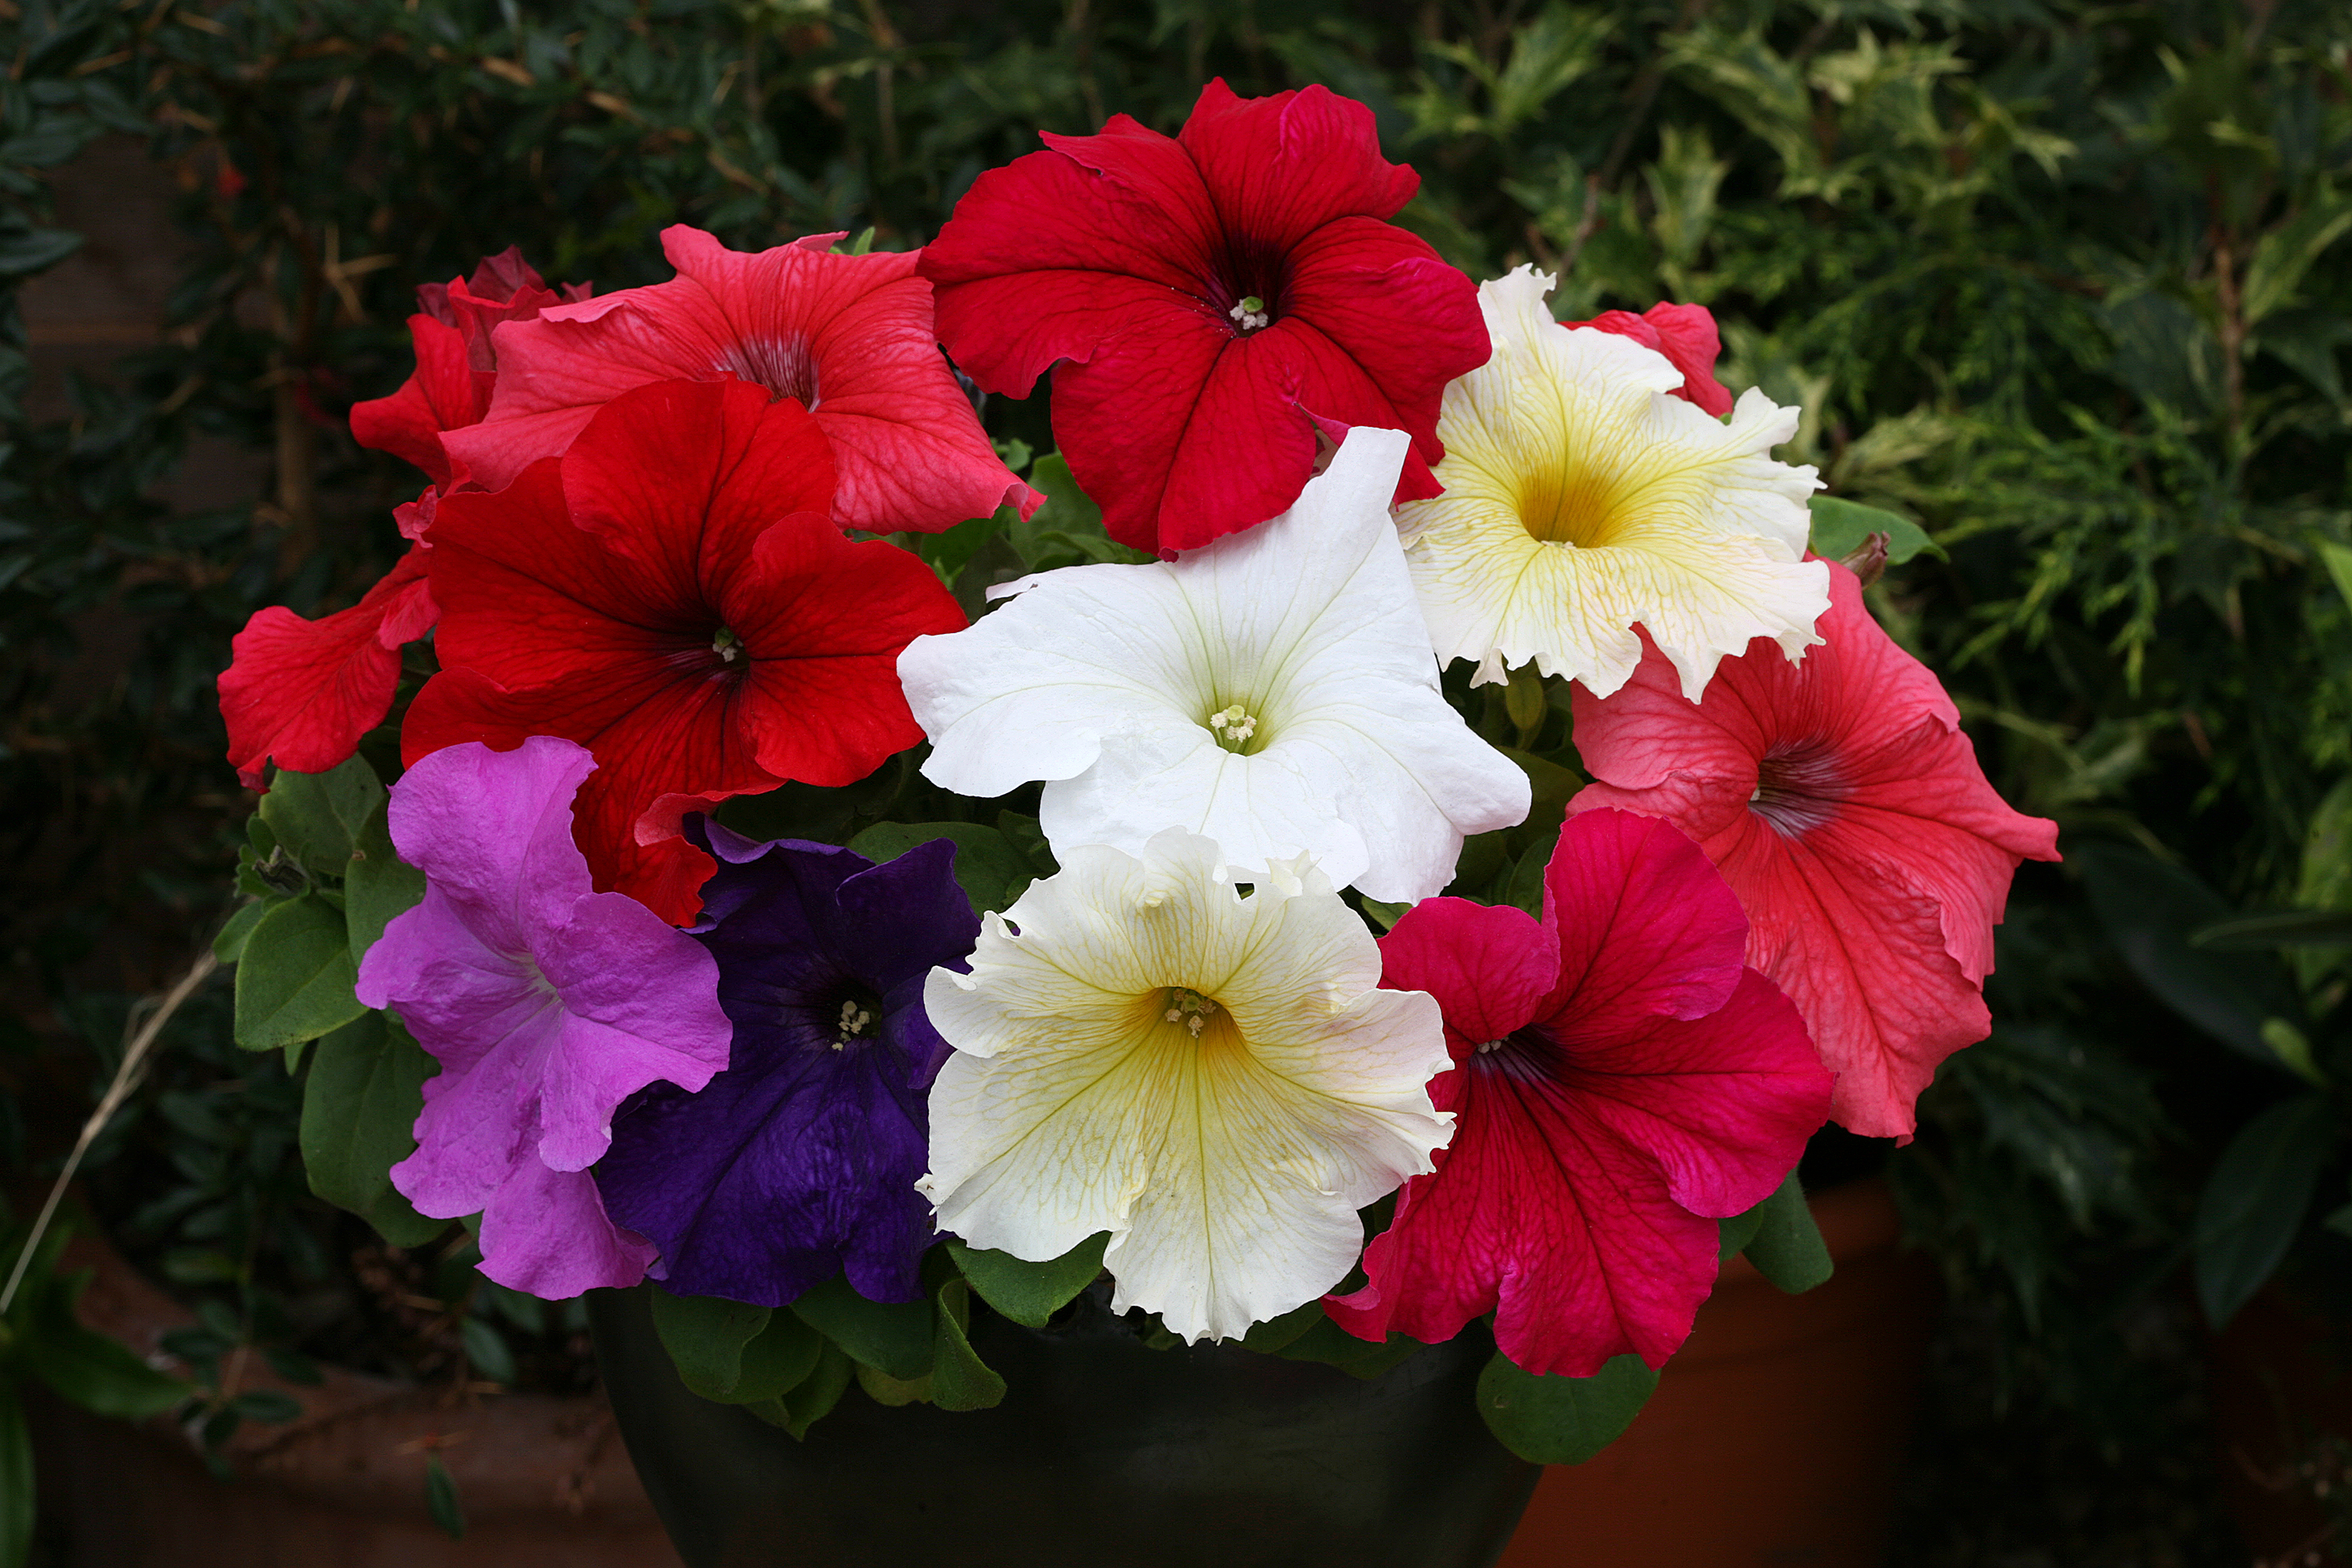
303 691
1280 167
439 394
1489 965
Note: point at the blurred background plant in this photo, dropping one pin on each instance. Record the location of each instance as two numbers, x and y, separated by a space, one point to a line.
2063 283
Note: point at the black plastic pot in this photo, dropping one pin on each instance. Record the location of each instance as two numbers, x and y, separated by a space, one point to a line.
1103 1454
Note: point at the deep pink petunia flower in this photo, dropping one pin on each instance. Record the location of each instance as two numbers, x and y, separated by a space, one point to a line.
303 691
546 1003
848 336
1846 809
671 593
1621 1082
457 362
1215 301
1686 335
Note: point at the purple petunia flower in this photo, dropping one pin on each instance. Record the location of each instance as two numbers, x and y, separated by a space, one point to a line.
546 1003
800 1161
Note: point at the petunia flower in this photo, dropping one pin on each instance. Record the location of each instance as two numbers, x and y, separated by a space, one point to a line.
1580 502
1619 1081
1215 301
799 1162
1272 691
1842 803
672 594
1686 335
1216 1080
303 691
546 1004
456 361
849 336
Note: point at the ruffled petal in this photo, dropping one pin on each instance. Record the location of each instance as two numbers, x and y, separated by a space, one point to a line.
545 1232
1644 928
1282 166
1490 966
441 393
303 691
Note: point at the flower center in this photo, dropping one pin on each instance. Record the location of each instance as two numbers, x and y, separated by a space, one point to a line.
1249 314
854 1021
1571 503
727 645
1189 1008
1234 727
786 366
858 1019
1799 787
1526 1053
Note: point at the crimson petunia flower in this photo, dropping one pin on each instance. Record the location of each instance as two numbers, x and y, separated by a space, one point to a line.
1216 299
1686 335
848 336
456 361
1842 803
672 594
1619 1081
303 691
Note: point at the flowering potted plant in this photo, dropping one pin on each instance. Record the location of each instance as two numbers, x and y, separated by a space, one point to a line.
1005 942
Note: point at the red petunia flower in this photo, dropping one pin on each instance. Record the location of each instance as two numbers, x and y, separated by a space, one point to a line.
1686 335
848 336
1844 806
1217 300
456 361
672 594
1621 1081
303 691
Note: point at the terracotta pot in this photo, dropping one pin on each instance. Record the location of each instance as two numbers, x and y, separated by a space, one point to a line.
544 1482
1776 1434
2280 1382
1104 1453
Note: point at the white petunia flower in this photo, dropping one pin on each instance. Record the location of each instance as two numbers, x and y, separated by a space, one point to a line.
1580 500
1274 691
1216 1080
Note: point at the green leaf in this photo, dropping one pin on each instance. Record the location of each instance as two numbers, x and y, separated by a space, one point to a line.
31 250
960 1379
94 1371
893 1391
15 1481
952 549
1332 1345
1733 1235
2286 252
268 1405
1840 527
1276 1335
2150 910
1787 1247
229 945
1563 1420
318 816
813 1397
2254 1201
1526 889
992 871
1030 1292
2264 933
294 978
441 1497
359 1105
1384 915
705 1337
892 1337
777 1359
487 1349
377 883
1067 531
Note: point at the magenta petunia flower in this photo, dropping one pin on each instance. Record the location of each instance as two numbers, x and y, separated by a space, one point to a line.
1619 1081
850 336
1215 300
546 1003
1846 809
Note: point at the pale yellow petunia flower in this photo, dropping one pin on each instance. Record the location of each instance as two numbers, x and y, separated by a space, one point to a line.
1582 501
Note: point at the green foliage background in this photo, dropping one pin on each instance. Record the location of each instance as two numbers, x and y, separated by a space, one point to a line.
2064 282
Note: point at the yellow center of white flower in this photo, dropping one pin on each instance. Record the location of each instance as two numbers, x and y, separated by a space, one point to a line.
1234 727
1570 500
1189 1009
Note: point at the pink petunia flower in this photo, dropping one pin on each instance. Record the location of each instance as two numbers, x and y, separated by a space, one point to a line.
1686 335
546 1003
1842 803
848 336
1621 1081
1215 300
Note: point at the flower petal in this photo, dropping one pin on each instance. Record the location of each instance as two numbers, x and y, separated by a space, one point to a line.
1490 966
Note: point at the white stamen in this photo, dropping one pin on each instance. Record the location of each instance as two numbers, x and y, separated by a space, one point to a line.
1232 726
1490 1047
